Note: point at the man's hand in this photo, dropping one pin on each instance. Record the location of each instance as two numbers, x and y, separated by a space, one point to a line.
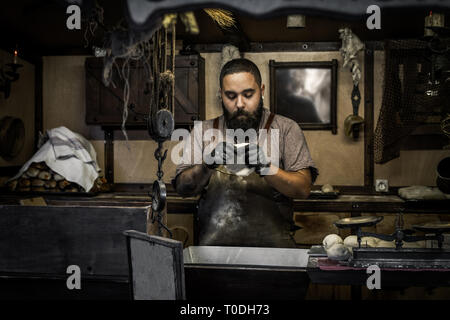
255 158
222 152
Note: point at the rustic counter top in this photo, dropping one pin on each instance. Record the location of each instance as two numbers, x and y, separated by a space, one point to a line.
176 204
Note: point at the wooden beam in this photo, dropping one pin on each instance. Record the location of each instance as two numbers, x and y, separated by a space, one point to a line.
109 155
285 46
38 101
369 163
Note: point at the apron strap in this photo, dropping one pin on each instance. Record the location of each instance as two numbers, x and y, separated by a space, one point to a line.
269 121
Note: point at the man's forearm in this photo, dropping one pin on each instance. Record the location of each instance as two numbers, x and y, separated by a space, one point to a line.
191 181
291 184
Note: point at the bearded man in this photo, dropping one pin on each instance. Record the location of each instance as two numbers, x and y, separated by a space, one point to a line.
253 208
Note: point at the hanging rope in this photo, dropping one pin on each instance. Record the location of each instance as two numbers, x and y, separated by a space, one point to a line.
173 66
96 19
126 98
152 53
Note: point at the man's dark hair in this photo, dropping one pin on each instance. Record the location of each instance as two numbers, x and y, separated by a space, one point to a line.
240 65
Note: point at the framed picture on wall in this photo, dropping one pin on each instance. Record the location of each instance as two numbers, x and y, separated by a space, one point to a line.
305 92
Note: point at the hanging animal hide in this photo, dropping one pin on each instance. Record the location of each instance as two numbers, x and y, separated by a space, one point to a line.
351 45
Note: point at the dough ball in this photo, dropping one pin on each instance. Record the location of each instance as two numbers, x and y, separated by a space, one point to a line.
50 184
338 252
385 244
44 175
32 172
326 188
57 177
63 184
331 239
39 165
37 183
369 242
24 183
351 241
366 242
415 244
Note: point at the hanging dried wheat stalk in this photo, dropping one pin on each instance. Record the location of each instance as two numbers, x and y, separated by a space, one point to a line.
222 17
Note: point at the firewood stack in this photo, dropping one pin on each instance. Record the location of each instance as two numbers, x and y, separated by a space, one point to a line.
40 178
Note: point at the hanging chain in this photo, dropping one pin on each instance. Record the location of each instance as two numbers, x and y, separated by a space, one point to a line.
173 66
158 215
160 158
163 98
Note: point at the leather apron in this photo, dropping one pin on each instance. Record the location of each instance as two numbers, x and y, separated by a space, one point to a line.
243 211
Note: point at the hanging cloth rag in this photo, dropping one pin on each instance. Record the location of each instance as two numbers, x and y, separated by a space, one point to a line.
401 105
68 154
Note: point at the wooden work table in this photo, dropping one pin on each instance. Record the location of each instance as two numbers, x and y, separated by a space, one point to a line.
39 242
344 203
389 279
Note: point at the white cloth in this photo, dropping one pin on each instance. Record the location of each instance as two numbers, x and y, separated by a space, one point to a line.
70 155
422 193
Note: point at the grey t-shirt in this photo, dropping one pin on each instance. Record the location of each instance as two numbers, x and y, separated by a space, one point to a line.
293 150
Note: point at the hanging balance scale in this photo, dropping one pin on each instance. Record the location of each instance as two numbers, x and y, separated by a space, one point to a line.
160 127
435 256
160 123
159 196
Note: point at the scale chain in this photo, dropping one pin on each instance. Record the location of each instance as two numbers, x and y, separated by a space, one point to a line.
160 158
159 214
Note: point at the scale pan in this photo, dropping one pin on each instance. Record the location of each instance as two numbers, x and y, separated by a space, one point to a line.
438 227
356 222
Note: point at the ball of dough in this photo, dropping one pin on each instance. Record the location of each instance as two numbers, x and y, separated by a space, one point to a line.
366 242
351 241
331 239
338 252
326 188
32 172
415 244
369 242
58 177
385 244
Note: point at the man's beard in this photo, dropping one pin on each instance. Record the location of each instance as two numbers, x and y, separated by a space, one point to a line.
249 121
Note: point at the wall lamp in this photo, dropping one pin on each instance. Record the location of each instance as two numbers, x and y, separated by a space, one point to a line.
9 74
